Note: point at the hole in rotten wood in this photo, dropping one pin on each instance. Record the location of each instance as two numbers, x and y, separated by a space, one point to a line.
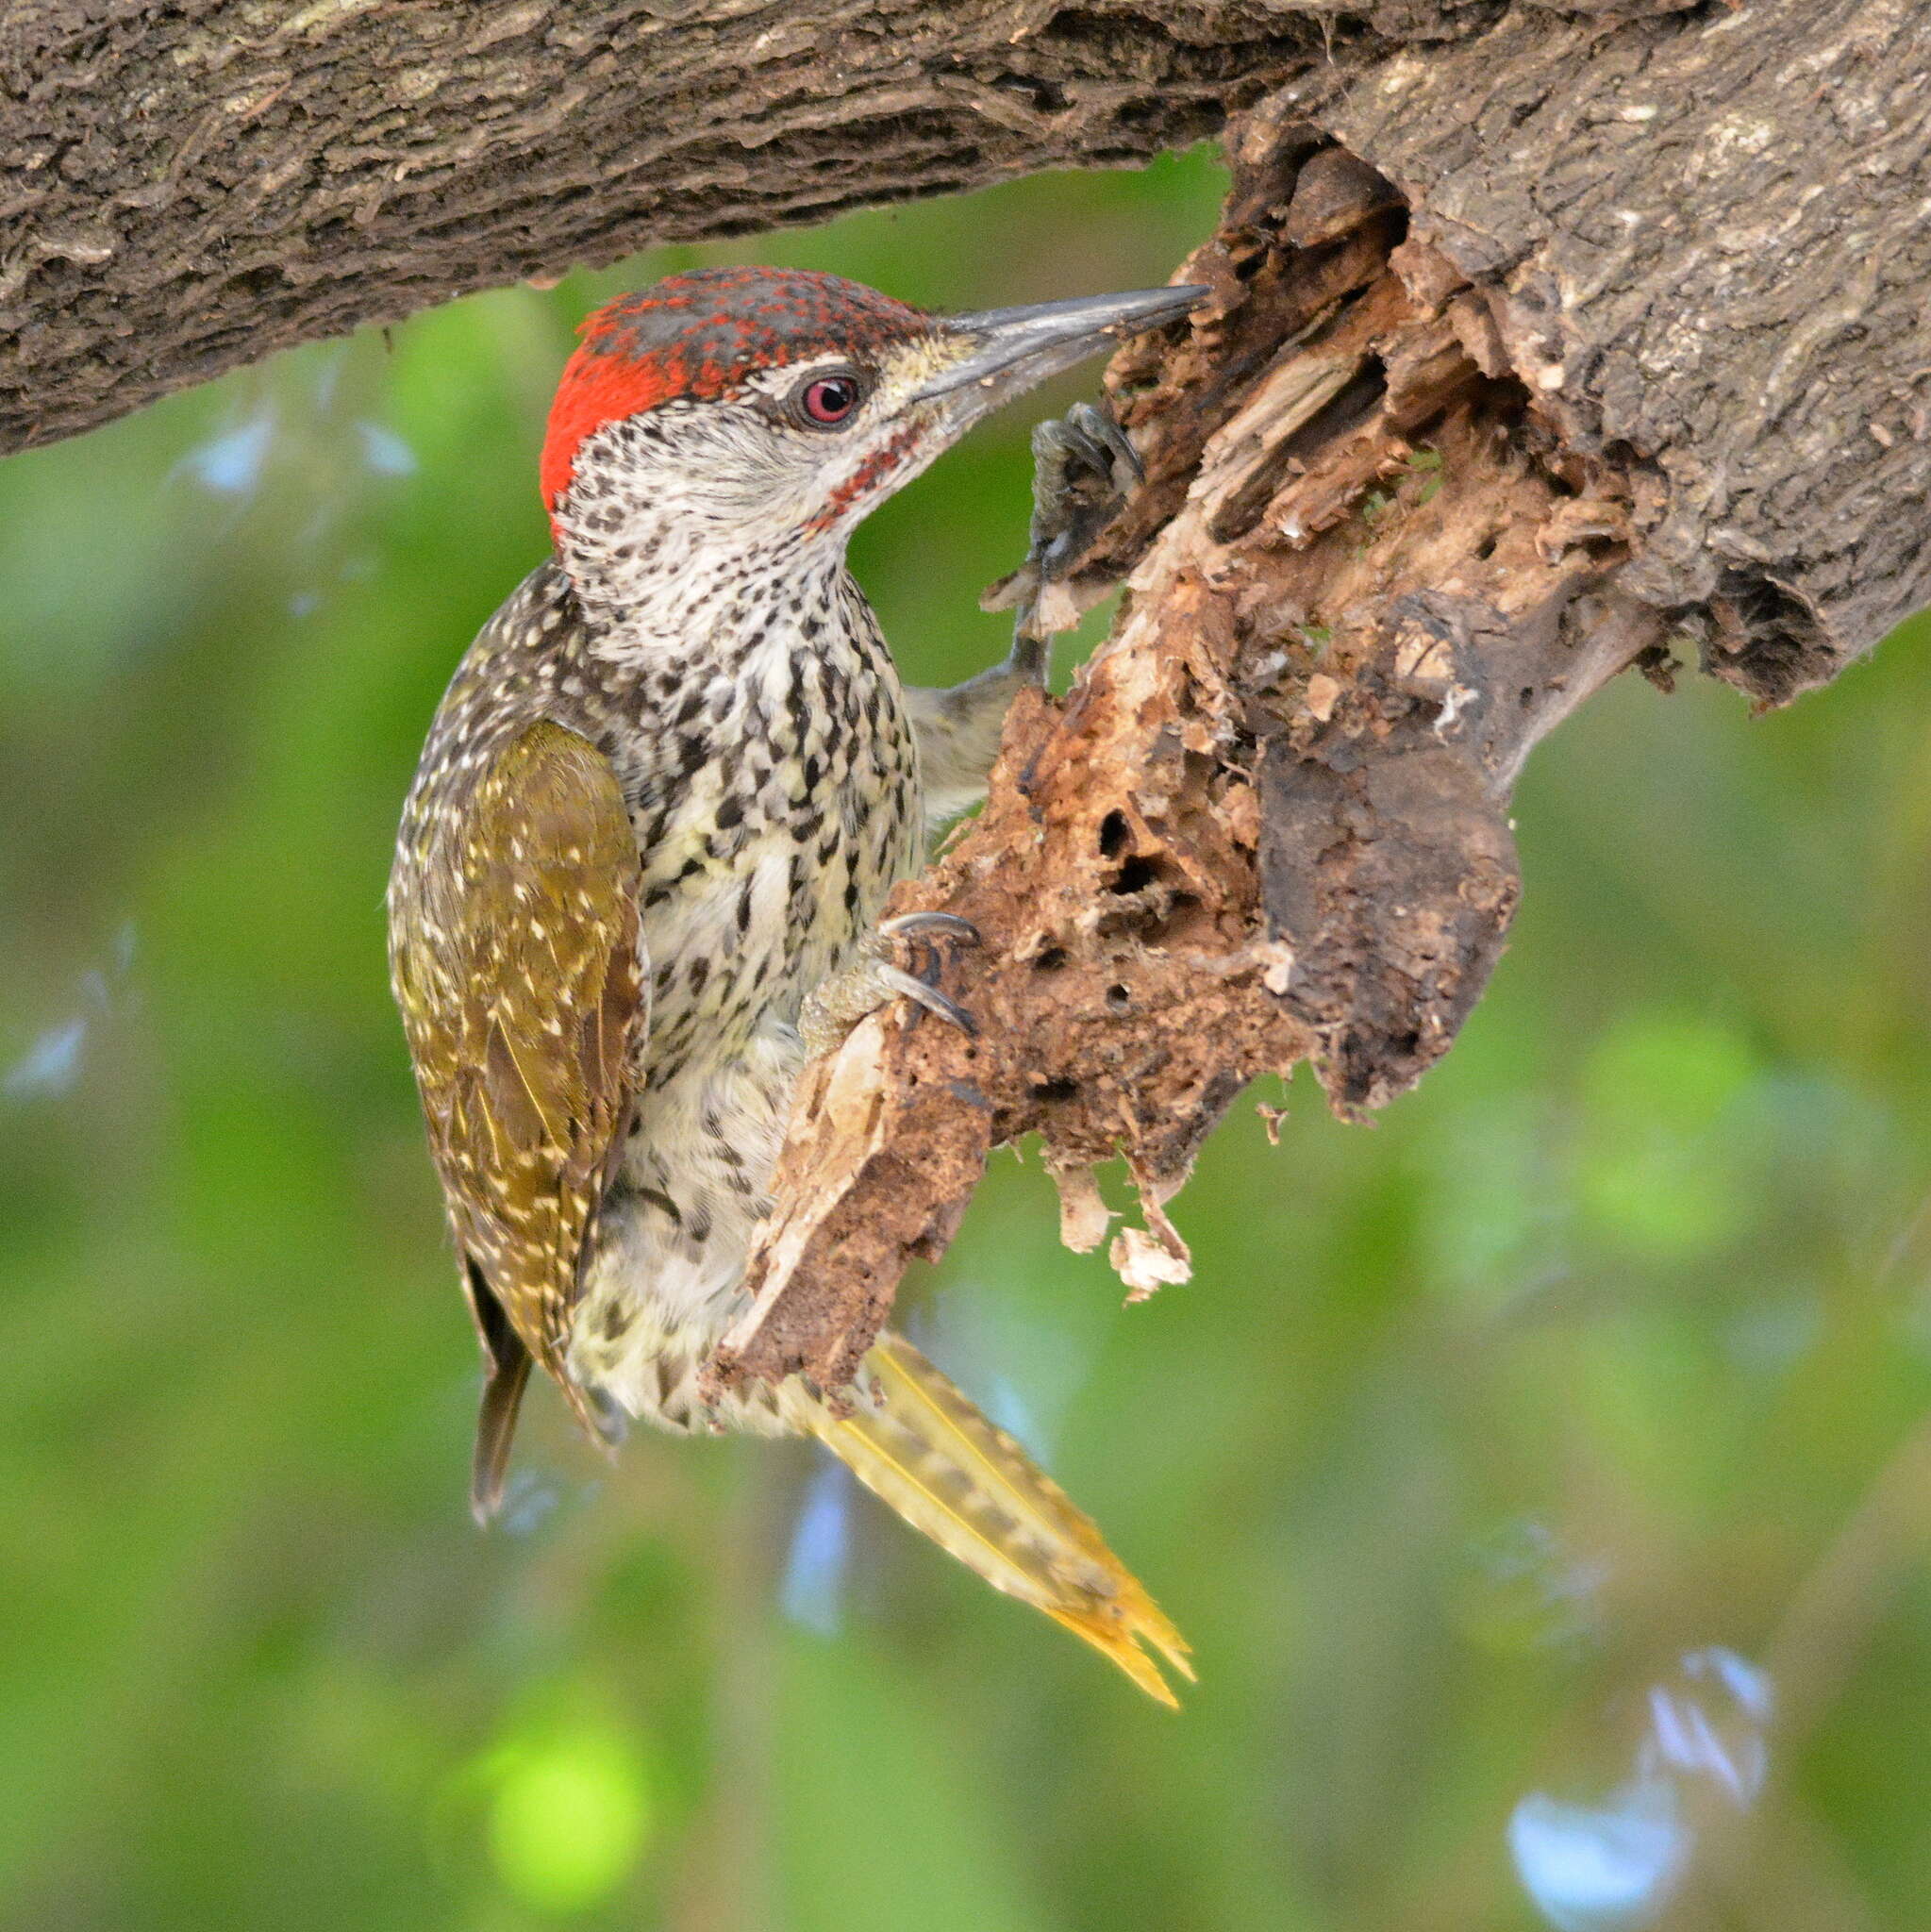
1136 875
1055 1089
1112 835
1185 915
1119 1000
1328 427
1050 960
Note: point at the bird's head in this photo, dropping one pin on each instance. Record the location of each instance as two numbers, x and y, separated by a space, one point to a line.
753 406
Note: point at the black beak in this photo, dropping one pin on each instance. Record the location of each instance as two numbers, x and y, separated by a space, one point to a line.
1011 350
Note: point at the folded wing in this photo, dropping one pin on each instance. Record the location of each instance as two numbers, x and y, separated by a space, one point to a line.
522 982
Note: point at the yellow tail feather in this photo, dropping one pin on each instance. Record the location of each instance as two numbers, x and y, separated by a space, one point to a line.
928 1453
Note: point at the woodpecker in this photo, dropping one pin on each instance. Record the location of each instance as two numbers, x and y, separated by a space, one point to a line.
641 868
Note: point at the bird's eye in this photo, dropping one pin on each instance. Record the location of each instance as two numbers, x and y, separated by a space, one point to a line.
827 400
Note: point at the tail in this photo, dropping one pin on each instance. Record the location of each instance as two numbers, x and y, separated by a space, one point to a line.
927 1451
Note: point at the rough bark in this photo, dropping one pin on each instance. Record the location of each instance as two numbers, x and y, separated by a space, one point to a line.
1709 240
186 187
189 187
1528 357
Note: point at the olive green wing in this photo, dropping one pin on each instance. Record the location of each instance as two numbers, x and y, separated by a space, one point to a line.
523 987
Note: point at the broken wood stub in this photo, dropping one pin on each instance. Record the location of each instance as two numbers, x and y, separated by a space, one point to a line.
1269 823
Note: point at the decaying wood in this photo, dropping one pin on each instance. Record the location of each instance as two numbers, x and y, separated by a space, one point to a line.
1708 240
1418 485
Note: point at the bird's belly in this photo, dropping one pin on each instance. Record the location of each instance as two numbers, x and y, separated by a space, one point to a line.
666 1273
717 955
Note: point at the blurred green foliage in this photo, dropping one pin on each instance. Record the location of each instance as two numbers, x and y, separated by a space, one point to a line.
1554 1436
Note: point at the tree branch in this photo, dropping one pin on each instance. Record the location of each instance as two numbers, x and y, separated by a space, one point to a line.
1526 357
188 188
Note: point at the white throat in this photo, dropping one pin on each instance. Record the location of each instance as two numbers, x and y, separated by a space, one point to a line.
670 534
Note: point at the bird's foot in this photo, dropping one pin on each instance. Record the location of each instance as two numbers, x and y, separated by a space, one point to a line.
1084 467
875 979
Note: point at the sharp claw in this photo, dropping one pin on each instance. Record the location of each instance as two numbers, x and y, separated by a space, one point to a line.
950 923
952 1012
1105 440
930 965
930 999
1078 487
927 973
1076 460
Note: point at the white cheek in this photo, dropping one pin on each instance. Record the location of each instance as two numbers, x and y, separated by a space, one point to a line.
713 468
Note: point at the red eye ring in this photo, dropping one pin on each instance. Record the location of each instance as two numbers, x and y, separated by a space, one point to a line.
827 400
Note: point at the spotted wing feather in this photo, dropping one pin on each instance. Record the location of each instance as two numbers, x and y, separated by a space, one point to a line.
524 999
